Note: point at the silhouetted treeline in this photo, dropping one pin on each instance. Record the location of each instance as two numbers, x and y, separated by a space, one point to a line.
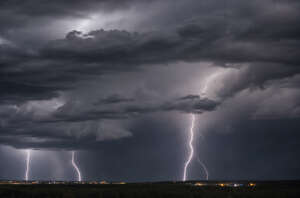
146 191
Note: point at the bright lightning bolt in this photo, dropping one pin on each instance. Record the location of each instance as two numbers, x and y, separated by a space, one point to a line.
75 166
28 152
191 148
204 93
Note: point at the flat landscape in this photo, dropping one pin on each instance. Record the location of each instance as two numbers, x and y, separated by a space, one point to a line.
149 190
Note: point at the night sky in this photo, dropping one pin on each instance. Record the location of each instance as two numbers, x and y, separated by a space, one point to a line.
118 82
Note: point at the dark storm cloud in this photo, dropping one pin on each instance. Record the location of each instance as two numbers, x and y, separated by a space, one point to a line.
69 92
256 36
188 43
117 109
98 52
70 127
114 99
191 104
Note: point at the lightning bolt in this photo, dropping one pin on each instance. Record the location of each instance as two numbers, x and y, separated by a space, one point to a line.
191 148
28 152
75 166
203 93
204 168
192 152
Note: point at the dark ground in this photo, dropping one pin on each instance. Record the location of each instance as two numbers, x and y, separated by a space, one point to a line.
149 190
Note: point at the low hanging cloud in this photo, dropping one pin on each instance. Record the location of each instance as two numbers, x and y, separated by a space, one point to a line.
52 124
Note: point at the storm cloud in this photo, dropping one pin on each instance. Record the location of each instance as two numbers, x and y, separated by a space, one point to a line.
92 75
